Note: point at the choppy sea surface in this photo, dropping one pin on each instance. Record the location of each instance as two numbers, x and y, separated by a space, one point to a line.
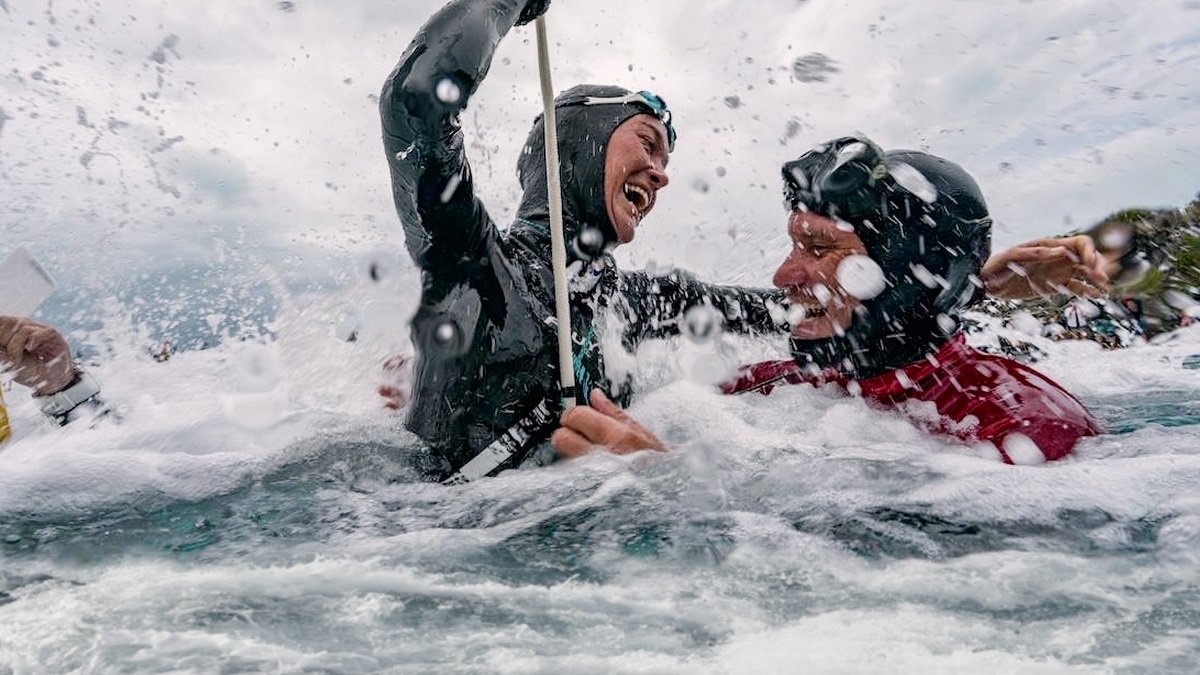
252 508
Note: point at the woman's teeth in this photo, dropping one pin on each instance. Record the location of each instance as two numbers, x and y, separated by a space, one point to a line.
638 197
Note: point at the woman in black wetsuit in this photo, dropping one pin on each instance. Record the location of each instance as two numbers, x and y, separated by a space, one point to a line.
485 374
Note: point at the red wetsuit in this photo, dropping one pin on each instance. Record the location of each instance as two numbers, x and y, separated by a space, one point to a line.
978 396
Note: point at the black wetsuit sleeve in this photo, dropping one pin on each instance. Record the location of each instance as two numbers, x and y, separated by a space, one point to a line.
445 226
657 305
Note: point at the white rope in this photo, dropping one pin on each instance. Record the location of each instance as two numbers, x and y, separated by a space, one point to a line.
558 247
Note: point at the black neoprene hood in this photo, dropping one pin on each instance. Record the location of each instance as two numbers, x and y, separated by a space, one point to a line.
923 220
583 135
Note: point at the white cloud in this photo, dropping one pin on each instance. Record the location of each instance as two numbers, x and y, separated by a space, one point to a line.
139 125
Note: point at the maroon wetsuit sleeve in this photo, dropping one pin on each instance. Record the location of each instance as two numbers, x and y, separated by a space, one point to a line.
991 398
979 397
764 376
1028 403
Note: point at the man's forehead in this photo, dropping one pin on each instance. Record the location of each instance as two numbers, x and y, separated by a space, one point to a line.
811 223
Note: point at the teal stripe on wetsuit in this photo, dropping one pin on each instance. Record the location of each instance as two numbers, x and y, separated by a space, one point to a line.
583 379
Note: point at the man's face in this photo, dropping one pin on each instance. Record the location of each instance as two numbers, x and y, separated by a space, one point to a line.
635 165
809 275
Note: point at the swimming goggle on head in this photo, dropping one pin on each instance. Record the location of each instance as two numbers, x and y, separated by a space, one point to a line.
653 103
846 179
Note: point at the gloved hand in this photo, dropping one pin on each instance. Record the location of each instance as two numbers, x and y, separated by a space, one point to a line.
533 9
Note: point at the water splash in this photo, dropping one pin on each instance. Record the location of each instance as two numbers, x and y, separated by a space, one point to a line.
448 91
589 243
861 277
702 323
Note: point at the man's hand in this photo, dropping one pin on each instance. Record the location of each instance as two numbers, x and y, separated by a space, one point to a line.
1047 267
38 355
604 424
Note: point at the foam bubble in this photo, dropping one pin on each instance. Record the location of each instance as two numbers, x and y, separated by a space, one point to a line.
1022 450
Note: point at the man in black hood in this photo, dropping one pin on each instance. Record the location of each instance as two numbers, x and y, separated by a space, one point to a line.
887 249
927 234
485 385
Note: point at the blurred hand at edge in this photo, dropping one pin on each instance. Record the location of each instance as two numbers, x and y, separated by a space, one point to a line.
1047 267
38 356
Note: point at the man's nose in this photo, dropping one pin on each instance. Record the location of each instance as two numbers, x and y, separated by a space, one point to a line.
792 271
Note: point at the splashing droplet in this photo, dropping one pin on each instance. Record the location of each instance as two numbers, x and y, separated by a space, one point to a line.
914 181
446 333
861 277
796 314
702 323
822 293
448 91
589 243
1022 450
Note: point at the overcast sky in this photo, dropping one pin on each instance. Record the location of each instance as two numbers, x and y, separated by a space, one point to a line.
137 136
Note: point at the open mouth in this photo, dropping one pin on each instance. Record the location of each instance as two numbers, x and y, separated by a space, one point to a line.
803 311
640 198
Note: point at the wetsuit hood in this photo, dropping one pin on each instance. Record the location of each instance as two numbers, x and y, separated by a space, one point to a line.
923 220
584 129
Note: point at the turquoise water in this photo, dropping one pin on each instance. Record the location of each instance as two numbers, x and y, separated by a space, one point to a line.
338 563
279 528
1168 408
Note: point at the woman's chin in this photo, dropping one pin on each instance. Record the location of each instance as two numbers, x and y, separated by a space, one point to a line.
626 231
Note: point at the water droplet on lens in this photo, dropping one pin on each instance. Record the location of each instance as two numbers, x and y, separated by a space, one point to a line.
701 323
448 91
589 243
445 333
796 314
381 266
822 293
259 368
861 277
1114 239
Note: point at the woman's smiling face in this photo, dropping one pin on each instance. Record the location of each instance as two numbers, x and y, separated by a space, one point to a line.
635 163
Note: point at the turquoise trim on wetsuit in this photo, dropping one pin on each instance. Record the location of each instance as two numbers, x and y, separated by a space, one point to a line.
583 380
540 227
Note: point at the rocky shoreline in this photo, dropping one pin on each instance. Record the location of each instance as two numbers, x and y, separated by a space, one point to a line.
1155 257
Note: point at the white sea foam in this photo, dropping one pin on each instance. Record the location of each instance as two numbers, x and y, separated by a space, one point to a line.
793 528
